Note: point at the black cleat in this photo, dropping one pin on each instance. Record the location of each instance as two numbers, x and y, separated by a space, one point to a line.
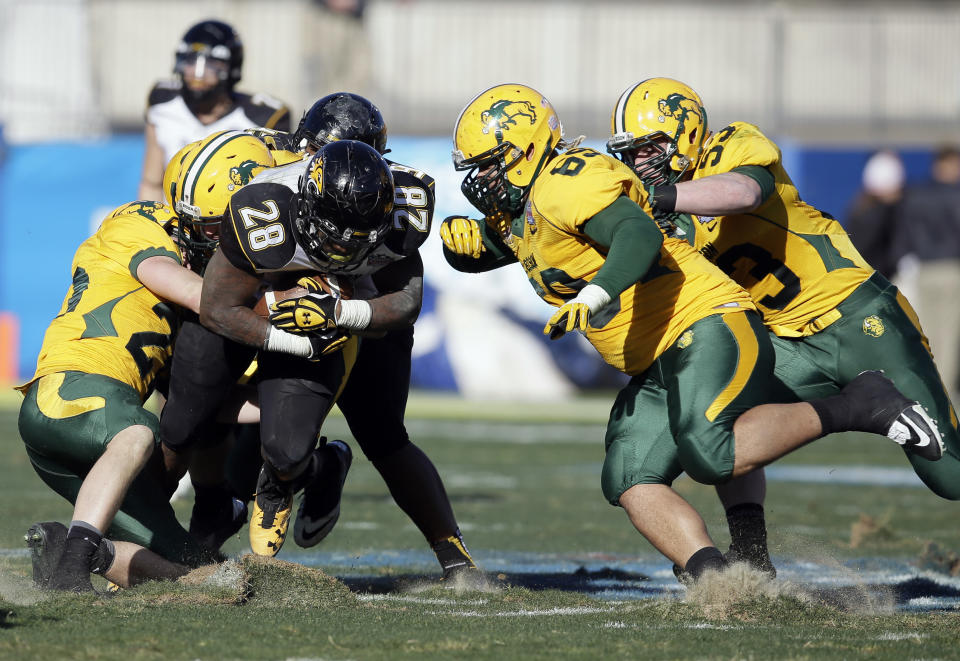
880 408
45 541
320 506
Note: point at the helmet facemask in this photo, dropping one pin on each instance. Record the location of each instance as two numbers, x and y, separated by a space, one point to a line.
661 167
199 64
329 246
487 186
198 235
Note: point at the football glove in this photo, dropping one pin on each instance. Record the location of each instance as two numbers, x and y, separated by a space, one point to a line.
326 344
462 236
310 313
571 315
575 314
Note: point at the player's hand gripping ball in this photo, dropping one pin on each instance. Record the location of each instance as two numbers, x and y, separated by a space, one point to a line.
315 311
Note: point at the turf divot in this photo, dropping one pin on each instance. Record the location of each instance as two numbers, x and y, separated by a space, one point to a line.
278 583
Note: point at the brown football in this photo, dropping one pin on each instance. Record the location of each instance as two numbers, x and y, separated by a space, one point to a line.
338 287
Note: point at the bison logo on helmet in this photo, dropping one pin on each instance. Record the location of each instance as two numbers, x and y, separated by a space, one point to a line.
679 107
504 113
241 174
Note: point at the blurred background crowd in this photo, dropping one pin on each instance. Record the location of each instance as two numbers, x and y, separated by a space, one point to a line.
863 97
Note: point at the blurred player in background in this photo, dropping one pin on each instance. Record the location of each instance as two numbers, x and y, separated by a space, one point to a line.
830 314
201 100
702 397
82 420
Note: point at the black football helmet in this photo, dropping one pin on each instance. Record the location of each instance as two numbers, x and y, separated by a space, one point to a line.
212 43
345 206
342 116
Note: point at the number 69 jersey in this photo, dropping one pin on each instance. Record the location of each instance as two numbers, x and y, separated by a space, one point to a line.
258 236
797 262
560 259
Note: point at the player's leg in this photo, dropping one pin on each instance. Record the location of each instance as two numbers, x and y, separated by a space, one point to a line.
641 463
203 371
742 499
295 397
89 439
381 378
134 564
883 332
735 377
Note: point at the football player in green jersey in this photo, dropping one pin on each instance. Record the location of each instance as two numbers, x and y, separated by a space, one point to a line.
700 359
831 314
82 419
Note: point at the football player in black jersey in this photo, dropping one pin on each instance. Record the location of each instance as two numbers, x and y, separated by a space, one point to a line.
201 100
382 371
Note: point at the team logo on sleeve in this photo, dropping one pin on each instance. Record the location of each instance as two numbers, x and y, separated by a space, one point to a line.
680 108
685 340
240 175
873 326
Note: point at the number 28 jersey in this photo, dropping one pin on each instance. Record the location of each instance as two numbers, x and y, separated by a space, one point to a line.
560 259
258 234
797 262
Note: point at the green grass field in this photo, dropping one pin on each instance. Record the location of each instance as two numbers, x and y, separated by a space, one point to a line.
569 578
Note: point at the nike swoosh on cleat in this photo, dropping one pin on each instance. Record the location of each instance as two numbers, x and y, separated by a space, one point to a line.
311 528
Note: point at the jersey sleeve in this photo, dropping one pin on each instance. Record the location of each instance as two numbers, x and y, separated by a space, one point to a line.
578 185
257 233
161 92
738 145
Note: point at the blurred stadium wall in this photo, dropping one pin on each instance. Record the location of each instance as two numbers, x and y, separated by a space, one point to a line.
830 81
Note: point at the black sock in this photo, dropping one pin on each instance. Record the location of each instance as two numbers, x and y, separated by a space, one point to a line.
748 530
834 413
73 570
709 557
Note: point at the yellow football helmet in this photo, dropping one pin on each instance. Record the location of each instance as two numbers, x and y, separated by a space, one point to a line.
664 116
504 137
202 177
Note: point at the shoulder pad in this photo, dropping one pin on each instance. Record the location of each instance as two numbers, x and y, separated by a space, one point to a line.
260 227
414 202
264 110
163 91
158 212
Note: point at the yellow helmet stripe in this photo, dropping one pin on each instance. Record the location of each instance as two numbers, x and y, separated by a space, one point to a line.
200 160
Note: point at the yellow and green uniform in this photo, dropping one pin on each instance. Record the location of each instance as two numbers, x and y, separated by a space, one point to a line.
560 259
689 336
99 361
831 314
109 323
797 262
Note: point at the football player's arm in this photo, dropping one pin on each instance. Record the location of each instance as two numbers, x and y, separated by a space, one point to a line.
632 241
169 280
398 306
741 190
225 303
472 246
151 178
